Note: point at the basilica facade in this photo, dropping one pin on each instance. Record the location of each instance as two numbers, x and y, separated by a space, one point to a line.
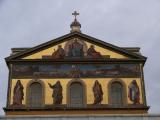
76 74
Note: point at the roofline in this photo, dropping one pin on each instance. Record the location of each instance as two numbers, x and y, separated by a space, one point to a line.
100 42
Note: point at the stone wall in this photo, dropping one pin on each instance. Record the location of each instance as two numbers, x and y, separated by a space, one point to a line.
87 117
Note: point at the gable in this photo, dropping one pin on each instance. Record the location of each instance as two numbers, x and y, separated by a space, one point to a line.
76 45
50 52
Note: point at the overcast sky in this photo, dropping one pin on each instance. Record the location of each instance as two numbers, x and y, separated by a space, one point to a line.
125 23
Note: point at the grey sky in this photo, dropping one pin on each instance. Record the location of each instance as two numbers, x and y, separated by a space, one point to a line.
126 23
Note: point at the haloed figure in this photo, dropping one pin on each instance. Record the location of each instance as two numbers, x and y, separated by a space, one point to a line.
18 94
98 93
57 92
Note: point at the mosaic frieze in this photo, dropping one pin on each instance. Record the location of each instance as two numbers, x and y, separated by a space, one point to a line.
75 70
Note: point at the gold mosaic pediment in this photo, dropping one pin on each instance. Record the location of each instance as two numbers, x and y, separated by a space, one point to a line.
77 49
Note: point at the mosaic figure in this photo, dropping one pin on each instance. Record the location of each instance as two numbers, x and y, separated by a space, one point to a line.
57 92
76 50
18 94
75 72
92 53
59 53
98 93
134 94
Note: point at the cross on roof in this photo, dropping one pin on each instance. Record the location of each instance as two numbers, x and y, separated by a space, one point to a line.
75 14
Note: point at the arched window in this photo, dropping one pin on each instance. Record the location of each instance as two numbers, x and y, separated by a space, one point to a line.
35 95
76 94
116 94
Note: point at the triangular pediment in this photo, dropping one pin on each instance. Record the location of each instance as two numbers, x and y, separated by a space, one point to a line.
75 46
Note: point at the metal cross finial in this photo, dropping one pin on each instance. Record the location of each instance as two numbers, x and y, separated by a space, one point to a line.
75 14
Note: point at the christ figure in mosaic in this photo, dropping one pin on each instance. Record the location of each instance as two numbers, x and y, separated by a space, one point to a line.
76 50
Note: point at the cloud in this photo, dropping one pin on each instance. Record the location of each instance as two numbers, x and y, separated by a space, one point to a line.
120 22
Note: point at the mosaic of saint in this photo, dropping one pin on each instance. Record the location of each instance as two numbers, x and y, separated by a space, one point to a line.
74 49
75 71
18 95
134 93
